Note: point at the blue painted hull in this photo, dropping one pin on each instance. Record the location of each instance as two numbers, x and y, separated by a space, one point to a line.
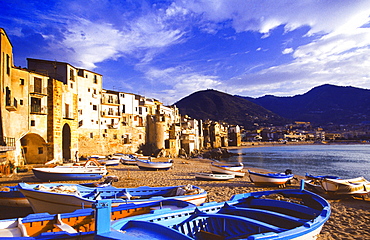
257 215
66 176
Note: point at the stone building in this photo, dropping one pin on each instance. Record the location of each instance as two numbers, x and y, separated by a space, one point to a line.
55 111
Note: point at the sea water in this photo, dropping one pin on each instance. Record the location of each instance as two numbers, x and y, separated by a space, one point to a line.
345 161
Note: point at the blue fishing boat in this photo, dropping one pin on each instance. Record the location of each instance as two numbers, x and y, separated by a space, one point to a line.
320 177
79 224
270 179
276 214
12 197
61 198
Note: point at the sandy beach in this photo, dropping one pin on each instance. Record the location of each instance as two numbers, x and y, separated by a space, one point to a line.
350 218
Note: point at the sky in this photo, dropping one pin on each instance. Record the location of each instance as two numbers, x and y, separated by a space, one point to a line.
170 49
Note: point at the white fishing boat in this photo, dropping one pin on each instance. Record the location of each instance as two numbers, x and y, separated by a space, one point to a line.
128 159
226 169
354 186
229 166
62 198
270 179
91 170
154 165
213 176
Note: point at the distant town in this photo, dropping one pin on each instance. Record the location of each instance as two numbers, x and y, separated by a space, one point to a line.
54 111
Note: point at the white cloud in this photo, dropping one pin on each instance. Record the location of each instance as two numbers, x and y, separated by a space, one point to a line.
287 50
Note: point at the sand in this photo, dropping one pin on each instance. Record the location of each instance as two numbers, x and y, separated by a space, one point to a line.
350 218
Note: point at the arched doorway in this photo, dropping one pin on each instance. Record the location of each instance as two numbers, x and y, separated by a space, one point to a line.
34 148
66 142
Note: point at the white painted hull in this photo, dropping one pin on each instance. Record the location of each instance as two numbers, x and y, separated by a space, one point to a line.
52 202
262 179
346 186
149 165
213 177
217 169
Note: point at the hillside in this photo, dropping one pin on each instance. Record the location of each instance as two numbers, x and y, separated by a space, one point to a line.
321 105
218 106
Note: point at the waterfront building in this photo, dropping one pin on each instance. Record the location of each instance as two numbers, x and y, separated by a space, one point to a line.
52 110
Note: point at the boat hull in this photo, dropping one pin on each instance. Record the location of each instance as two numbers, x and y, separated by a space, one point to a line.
357 186
84 197
12 197
213 177
78 224
218 169
269 179
245 216
149 165
46 175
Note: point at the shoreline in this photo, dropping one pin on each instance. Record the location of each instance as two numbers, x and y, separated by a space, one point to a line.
349 218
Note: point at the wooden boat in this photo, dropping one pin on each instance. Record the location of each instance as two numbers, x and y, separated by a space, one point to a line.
150 165
313 182
62 198
227 169
277 214
213 176
320 177
270 179
11 195
229 166
128 159
79 224
354 186
91 170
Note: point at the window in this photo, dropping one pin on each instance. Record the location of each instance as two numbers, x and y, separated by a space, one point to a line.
122 95
91 135
71 85
95 79
37 88
7 64
35 105
123 108
79 99
21 101
140 110
114 136
41 150
95 107
21 81
66 114
24 150
33 123
94 91
71 74
88 89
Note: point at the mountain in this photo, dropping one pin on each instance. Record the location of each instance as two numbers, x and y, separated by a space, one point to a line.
219 106
321 105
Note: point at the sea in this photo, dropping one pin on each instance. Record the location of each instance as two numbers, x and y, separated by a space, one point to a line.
345 161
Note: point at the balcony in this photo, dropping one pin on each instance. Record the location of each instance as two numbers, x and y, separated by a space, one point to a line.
7 144
37 109
110 114
110 101
11 105
38 91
